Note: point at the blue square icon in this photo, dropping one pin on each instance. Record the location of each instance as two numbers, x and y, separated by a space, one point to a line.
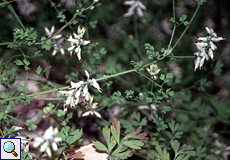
10 148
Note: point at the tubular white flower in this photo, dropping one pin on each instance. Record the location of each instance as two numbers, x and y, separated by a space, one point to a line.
217 39
50 32
203 53
16 128
134 5
200 45
95 84
213 46
87 74
86 94
210 53
202 62
197 63
202 38
70 92
208 30
76 85
206 44
196 54
55 40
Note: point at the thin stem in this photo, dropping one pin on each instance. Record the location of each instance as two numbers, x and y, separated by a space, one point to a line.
21 122
66 87
174 27
186 27
148 79
55 99
115 75
183 57
73 18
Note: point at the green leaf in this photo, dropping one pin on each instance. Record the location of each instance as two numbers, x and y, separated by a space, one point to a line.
135 144
102 51
30 125
121 153
22 89
162 77
137 115
106 134
38 70
162 153
134 134
26 62
173 126
166 109
200 152
169 75
183 18
60 113
18 62
218 67
175 145
115 129
100 146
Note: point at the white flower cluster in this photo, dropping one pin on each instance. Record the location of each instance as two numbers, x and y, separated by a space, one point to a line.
78 93
134 5
77 41
206 45
55 40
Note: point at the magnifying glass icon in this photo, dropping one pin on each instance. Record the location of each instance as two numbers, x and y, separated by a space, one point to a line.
9 147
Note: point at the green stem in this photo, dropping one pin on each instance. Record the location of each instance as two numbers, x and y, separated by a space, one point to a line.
74 17
22 123
148 79
66 87
183 57
186 27
115 75
174 27
55 99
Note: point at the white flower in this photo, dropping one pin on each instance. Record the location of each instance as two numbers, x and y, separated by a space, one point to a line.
50 32
16 128
48 141
86 94
206 44
91 107
69 92
76 85
77 41
57 49
87 74
95 84
78 92
197 63
134 5
55 40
